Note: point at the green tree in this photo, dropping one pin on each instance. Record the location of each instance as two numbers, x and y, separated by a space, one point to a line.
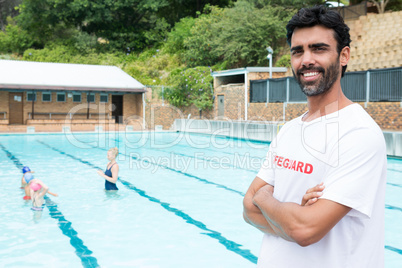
7 9
284 61
176 37
123 23
14 39
178 9
237 36
198 46
292 4
381 5
392 5
190 86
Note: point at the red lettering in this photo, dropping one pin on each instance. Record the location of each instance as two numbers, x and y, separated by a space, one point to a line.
293 165
300 166
280 161
286 163
308 169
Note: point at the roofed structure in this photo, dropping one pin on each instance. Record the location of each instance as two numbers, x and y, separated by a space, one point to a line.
63 76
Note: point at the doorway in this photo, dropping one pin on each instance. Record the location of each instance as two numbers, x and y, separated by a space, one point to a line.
15 102
117 112
221 105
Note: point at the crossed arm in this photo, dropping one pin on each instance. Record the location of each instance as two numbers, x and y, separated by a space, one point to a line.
303 224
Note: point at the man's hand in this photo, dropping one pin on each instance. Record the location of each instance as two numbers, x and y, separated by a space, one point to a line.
311 196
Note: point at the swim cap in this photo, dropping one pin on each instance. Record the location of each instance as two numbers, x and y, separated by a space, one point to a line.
28 177
35 186
25 169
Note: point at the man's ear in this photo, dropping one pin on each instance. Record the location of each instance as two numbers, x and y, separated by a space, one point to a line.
344 56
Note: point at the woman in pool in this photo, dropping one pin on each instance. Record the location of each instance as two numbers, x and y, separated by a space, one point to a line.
38 190
112 170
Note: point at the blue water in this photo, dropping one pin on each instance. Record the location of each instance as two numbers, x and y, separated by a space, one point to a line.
179 203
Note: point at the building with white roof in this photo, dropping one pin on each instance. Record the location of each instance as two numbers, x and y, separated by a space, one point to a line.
32 91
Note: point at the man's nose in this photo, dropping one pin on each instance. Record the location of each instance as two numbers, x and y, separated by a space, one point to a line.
308 59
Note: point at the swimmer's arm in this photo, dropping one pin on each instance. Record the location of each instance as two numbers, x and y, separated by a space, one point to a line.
115 174
54 194
45 189
23 182
251 213
304 225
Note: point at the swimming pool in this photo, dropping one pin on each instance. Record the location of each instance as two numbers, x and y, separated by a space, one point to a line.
179 203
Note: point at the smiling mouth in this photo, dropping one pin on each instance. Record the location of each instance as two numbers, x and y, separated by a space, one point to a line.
310 74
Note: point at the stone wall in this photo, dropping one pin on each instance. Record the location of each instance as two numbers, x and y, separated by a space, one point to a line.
4 107
161 113
264 75
388 115
376 41
233 101
132 109
265 112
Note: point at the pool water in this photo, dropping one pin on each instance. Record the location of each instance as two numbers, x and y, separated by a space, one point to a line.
179 202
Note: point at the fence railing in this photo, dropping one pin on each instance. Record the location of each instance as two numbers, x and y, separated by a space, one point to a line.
365 86
352 12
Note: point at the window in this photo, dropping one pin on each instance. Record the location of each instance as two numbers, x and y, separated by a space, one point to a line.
46 96
103 98
61 97
258 91
31 96
91 97
77 97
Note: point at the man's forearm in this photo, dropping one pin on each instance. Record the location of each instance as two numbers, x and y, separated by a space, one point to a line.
253 215
281 216
304 225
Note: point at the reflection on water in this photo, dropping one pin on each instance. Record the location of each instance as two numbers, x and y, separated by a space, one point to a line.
112 195
37 215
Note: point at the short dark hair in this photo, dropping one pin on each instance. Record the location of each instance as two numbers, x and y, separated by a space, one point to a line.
320 15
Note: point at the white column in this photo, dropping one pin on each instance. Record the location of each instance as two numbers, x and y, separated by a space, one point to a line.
143 110
245 95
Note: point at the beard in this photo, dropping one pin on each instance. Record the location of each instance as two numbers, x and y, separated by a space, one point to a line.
321 86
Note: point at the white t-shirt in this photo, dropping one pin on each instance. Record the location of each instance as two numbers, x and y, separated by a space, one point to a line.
345 150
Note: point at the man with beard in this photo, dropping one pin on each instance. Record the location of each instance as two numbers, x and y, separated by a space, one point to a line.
319 196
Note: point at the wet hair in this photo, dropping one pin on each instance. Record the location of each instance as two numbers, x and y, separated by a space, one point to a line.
320 15
114 150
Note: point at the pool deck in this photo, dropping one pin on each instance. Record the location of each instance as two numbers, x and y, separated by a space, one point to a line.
76 126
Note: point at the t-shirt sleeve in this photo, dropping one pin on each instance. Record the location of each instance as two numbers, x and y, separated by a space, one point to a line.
356 171
267 172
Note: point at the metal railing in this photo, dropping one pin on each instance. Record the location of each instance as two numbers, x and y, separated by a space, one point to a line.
68 115
366 86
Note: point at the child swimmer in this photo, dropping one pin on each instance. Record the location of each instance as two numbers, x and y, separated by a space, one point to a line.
26 180
37 191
